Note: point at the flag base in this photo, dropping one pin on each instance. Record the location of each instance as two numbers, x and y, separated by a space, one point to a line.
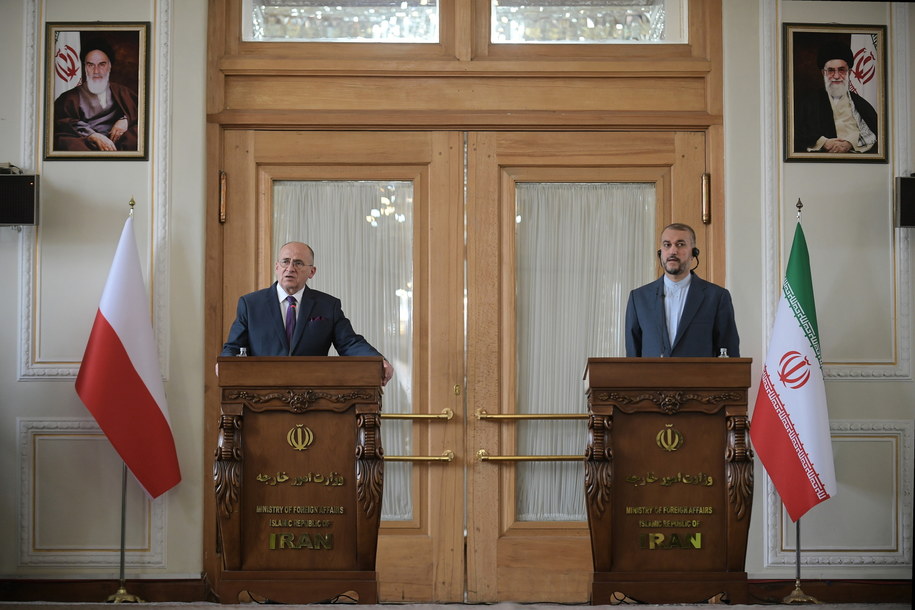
123 597
799 597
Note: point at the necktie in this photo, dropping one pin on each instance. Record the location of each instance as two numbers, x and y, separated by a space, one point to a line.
290 319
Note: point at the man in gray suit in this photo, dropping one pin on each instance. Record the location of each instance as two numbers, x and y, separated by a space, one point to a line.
291 319
698 315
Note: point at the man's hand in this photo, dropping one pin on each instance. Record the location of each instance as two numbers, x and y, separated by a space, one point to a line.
835 145
388 373
119 129
100 142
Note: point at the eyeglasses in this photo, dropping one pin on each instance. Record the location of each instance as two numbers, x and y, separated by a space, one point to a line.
834 71
298 264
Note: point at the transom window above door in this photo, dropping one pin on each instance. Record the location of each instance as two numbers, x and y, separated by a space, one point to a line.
588 21
356 21
510 21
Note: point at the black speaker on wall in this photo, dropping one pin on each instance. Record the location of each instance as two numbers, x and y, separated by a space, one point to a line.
18 199
905 201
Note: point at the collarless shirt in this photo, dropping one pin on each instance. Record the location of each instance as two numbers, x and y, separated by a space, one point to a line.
674 301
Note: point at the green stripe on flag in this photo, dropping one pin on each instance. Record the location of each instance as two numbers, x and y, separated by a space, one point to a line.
798 286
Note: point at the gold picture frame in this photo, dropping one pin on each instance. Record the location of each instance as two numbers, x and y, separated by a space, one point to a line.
104 115
816 57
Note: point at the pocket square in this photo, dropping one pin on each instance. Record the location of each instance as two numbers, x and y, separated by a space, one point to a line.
316 319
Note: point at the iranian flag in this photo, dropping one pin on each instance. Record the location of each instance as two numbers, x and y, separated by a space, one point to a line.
864 74
790 423
68 69
119 379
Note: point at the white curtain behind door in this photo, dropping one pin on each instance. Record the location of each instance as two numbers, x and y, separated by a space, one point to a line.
362 235
581 247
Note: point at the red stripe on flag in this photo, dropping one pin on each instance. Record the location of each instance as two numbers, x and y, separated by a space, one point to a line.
126 412
774 447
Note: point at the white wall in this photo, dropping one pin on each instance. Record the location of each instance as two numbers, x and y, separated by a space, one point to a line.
67 505
67 509
862 289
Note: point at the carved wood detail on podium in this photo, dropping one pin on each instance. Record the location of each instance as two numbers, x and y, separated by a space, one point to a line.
369 464
739 466
668 479
298 479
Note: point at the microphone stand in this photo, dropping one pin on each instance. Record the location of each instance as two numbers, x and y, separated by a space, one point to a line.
122 596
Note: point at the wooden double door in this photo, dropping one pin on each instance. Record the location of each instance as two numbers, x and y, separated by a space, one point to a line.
462 539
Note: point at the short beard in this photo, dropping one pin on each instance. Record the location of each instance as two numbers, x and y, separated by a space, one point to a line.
836 89
680 267
96 85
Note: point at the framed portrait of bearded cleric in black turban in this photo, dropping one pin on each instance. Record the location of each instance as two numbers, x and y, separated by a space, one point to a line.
835 93
96 93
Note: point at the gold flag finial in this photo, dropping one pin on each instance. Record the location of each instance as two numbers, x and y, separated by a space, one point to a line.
799 205
131 203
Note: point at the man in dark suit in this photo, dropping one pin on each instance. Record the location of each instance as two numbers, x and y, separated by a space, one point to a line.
291 319
698 315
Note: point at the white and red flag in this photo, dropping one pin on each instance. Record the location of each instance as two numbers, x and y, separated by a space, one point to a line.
119 380
68 69
790 422
864 74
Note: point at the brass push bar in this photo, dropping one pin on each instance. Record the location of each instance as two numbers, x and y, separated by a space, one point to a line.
484 456
482 414
446 413
447 456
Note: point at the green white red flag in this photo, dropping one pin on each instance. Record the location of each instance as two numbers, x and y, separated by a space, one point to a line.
790 423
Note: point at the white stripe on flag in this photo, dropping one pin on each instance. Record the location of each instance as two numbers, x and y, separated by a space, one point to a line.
68 68
863 78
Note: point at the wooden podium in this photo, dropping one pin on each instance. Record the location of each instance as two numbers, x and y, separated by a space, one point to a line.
298 476
668 479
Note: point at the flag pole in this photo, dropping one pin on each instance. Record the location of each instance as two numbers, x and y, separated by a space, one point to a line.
121 596
798 596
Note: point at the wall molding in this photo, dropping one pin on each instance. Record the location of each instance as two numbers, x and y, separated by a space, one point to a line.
901 433
772 111
30 368
28 430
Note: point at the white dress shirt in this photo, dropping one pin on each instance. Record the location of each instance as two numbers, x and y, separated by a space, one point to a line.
674 301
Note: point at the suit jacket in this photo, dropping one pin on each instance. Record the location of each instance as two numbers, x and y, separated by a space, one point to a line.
320 323
706 325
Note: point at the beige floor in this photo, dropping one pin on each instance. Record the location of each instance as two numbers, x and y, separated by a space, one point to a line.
501 606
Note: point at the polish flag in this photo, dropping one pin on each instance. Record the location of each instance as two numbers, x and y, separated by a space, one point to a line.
119 380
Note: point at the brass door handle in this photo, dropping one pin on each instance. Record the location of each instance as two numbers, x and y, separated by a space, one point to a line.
484 456
446 456
482 414
446 414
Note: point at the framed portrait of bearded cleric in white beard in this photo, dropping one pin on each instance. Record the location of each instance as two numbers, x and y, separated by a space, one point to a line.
835 93
96 93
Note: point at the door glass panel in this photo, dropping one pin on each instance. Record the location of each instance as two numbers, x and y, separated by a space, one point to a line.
414 21
362 235
588 21
581 247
